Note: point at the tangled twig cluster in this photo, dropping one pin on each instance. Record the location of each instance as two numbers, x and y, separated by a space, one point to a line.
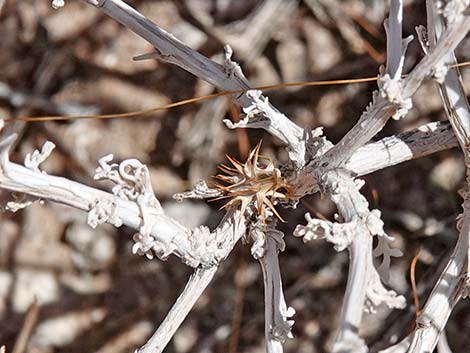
254 188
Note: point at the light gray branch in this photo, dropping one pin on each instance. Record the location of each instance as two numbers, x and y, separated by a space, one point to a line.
390 101
453 282
364 290
446 44
226 78
352 205
196 285
170 237
382 108
277 313
447 292
392 150
389 151
134 204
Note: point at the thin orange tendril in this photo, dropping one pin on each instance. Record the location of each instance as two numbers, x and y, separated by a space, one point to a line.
413 283
141 113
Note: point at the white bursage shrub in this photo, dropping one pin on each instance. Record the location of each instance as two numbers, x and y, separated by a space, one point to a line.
255 188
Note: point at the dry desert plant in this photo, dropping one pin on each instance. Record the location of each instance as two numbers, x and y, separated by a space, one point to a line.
254 190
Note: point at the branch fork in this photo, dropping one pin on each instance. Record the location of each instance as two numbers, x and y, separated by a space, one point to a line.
364 289
260 114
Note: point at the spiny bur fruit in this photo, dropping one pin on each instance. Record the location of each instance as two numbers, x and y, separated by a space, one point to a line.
256 182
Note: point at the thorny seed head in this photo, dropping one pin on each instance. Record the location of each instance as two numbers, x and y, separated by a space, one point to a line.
257 182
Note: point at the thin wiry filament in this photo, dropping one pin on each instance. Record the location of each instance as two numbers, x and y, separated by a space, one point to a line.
143 113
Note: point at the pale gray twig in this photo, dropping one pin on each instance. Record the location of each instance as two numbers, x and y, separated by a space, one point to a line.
447 292
169 237
227 77
196 285
399 148
453 282
364 288
392 100
382 108
133 204
277 313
